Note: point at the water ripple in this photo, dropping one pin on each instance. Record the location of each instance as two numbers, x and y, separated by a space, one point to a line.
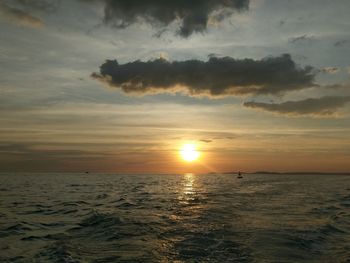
174 218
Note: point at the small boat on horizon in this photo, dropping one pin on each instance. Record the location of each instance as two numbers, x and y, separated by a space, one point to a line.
239 175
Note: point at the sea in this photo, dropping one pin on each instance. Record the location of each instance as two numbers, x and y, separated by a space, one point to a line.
71 218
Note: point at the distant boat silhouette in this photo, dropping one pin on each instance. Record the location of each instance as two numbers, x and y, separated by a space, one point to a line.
239 175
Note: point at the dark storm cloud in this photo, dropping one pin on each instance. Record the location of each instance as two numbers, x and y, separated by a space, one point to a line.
325 106
19 16
194 15
215 77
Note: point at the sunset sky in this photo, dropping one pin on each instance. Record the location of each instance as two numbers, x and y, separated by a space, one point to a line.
119 86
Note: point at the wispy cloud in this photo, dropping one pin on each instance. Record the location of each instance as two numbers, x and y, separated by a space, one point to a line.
341 43
19 17
298 39
322 107
330 70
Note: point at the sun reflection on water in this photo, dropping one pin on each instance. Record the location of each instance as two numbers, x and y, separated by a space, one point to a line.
188 189
188 184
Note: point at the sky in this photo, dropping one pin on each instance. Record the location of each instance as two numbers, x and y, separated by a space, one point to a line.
120 85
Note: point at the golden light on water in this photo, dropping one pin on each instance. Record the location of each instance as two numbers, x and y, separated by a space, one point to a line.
189 153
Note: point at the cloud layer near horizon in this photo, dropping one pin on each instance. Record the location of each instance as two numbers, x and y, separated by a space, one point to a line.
194 15
216 77
324 106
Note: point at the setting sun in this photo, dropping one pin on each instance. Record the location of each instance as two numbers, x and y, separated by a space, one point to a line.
189 153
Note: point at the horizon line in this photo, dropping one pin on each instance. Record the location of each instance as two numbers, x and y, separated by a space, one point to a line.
207 173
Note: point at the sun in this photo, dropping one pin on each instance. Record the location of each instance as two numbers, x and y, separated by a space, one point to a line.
189 153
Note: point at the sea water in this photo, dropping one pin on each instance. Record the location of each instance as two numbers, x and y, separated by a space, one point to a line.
174 218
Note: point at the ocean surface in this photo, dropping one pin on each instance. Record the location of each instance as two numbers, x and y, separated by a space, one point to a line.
174 218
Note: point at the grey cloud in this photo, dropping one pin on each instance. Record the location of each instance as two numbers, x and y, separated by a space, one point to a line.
216 77
19 16
324 106
194 15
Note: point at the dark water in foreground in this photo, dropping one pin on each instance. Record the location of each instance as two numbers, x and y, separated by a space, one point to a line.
174 218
